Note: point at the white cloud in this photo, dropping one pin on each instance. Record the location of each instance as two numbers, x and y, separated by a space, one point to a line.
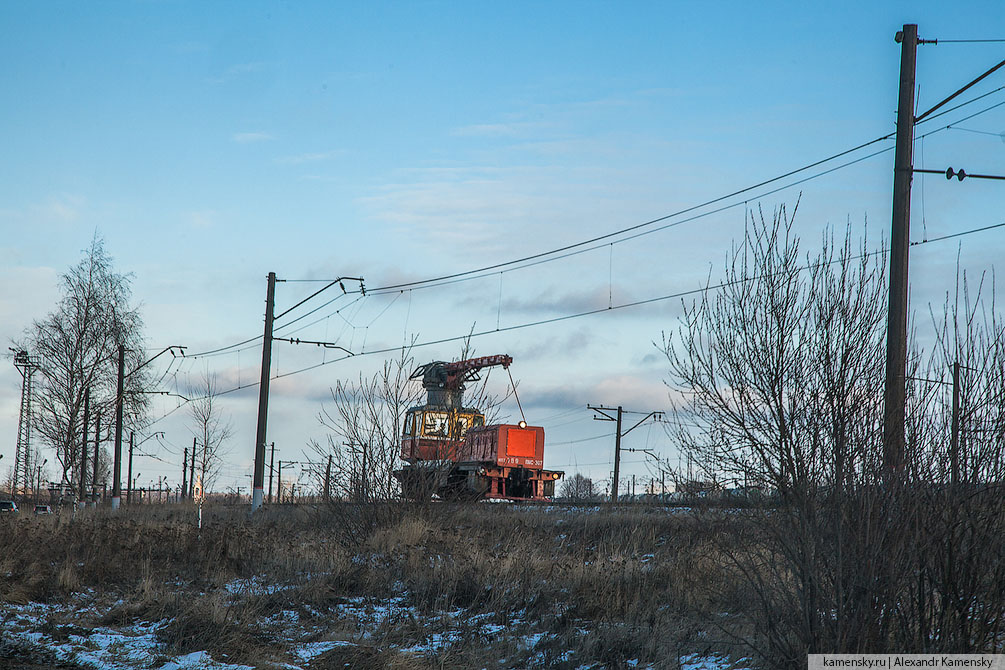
205 218
62 208
300 159
248 138
245 68
633 392
494 129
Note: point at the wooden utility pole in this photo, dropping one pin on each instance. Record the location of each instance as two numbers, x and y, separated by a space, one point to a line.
263 397
895 398
117 462
184 473
328 479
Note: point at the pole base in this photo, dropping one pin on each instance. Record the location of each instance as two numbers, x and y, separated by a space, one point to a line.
116 501
256 499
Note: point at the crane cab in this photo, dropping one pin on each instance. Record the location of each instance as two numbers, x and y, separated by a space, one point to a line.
434 433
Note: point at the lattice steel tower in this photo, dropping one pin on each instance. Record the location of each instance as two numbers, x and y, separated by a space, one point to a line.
26 365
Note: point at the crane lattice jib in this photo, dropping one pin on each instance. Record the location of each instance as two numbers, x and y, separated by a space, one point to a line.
453 376
462 371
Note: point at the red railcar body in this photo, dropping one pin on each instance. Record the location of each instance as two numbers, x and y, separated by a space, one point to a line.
504 445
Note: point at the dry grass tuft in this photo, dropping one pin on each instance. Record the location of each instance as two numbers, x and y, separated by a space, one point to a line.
485 586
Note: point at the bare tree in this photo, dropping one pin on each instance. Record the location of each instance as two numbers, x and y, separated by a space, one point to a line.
578 488
365 421
780 365
957 597
780 376
780 372
211 428
78 346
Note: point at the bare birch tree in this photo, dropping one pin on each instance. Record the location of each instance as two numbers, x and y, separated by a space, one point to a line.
78 347
212 430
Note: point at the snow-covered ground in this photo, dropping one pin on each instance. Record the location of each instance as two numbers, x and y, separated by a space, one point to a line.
133 646
72 634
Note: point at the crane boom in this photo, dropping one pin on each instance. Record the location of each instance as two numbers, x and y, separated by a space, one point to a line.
444 382
453 376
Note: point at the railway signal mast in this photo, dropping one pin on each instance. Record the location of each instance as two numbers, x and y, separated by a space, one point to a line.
26 365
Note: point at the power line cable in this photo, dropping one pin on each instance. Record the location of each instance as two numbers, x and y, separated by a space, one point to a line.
965 41
966 232
566 317
202 354
965 118
962 104
644 224
625 305
317 309
673 224
440 280
981 132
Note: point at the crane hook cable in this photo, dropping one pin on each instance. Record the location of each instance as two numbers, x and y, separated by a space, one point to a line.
511 383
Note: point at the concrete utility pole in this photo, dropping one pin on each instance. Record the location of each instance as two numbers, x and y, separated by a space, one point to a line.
894 441
84 446
896 334
263 397
618 434
191 472
272 468
119 401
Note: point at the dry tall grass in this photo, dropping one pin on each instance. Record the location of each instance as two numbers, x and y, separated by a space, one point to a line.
555 588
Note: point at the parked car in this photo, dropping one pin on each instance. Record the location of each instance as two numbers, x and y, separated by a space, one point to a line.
8 507
43 509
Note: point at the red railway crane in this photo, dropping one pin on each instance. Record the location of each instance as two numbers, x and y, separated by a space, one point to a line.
450 451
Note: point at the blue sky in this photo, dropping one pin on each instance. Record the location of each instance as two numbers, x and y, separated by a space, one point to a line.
211 143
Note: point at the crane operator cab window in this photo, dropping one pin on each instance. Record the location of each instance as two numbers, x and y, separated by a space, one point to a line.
441 424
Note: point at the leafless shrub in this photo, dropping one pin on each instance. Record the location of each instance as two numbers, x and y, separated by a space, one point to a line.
365 422
781 376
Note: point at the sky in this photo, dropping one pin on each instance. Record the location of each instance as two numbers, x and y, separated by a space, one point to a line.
209 144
